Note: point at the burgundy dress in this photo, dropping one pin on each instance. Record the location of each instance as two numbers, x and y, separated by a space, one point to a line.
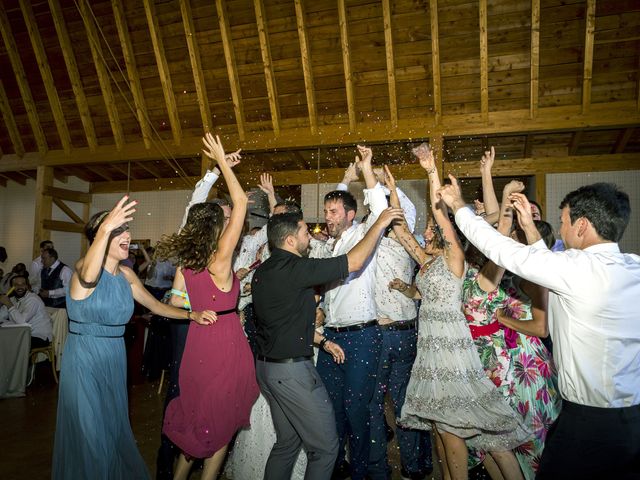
217 375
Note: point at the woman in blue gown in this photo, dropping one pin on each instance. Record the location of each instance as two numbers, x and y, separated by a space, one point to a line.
93 436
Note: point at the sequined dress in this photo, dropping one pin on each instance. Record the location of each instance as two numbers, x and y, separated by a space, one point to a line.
448 385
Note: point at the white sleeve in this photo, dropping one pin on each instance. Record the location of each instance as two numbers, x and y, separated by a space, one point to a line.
342 186
27 310
409 209
65 276
377 201
200 193
34 276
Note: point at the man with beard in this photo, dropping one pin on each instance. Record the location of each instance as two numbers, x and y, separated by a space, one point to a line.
284 303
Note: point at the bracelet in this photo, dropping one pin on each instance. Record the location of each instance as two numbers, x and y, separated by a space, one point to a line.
323 342
189 315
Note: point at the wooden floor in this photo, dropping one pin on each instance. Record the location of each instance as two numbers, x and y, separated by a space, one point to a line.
27 425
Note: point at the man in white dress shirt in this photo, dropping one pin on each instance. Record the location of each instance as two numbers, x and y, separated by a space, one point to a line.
54 280
594 323
36 266
350 311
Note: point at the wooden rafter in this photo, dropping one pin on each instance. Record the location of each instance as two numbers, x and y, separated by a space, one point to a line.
435 61
575 142
528 146
74 74
567 118
196 66
150 169
484 61
103 75
163 70
99 171
265 50
132 71
305 54
10 122
232 69
346 62
45 72
590 28
66 194
391 69
535 57
16 177
3 181
68 211
22 81
623 139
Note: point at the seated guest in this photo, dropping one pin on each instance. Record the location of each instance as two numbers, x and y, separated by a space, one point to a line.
18 269
36 266
54 280
25 307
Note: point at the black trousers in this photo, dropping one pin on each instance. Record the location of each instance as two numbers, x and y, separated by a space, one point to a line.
592 443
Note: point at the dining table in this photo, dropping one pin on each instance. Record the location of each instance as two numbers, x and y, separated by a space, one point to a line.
15 344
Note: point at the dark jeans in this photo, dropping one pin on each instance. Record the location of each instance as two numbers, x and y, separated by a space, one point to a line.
394 370
592 443
168 452
351 386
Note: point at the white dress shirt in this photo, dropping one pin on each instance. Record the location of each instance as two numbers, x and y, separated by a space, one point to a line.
351 301
200 193
29 310
34 274
393 262
593 317
65 276
162 273
246 257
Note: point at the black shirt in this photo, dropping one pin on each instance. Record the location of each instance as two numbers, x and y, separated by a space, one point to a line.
284 301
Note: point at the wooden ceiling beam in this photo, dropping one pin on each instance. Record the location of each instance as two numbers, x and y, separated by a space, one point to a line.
10 122
148 168
132 71
232 68
501 168
3 181
549 119
99 171
590 27
15 177
163 70
528 146
623 139
346 62
305 54
484 61
265 50
74 74
196 65
67 210
435 61
45 73
66 194
535 58
22 81
391 69
103 75
575 142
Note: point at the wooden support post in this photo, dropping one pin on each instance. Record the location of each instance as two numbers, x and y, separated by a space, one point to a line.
44 207
541 193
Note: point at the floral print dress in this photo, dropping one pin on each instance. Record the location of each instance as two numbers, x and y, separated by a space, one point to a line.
519 365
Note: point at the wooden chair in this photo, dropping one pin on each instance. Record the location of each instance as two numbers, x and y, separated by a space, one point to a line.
50 353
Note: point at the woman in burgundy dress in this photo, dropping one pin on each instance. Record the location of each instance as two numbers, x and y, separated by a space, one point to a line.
217 376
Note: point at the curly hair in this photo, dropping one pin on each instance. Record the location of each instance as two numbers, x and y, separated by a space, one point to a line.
194 246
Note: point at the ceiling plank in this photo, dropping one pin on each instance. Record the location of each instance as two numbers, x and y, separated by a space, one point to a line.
346 62
309 87
22 81
535 57
196 65
590 28
99 171
575 142
563 118
528 145
68 211
484 61
163 70
435 61
622 141
103 74
132 71
232 69
74 74
265 50
515 167
10 122
391 69
45 72
150 169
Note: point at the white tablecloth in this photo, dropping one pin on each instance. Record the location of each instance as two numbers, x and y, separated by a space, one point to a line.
15 341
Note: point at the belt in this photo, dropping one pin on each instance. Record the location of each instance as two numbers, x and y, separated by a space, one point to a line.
406 325
353 328
262 358
484 330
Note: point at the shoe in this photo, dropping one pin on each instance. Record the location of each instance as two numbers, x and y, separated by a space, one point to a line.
421 475
341 471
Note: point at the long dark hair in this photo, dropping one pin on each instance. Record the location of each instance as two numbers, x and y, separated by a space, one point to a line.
197 242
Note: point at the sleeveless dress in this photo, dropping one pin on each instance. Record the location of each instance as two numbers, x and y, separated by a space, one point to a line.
448 385
93 437
217 375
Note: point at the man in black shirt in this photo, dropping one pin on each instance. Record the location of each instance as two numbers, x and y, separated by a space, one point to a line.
285 306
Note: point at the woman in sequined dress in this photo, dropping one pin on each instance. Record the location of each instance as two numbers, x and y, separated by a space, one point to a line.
449 392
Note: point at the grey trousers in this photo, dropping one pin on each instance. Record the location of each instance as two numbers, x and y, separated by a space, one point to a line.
302 415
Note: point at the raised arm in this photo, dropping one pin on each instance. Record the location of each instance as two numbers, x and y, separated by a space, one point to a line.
489 198
88 269
538 326
525 218
366 154
266 185
227 243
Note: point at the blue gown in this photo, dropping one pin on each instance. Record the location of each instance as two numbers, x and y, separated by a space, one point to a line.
93 436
